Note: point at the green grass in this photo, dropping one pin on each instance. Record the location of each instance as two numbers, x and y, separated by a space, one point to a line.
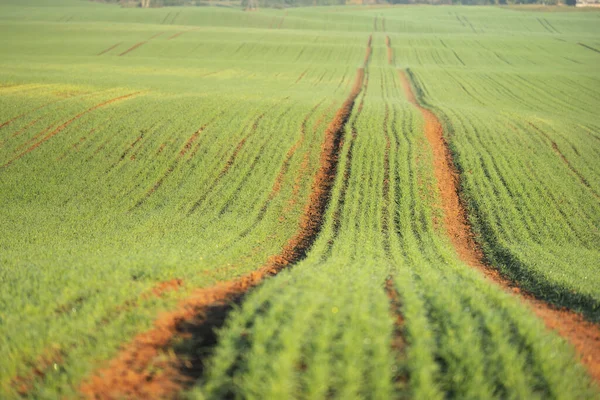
177 181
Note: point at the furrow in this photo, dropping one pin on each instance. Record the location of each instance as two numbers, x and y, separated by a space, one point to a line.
582 334
109 49
130 374
66 124
582 179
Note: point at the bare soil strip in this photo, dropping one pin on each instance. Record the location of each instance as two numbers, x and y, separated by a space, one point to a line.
53 356
292 150
2 125
368 52
10 121
132 48
227 166
176 35
301 76
349 155
109 49
66 124
140 44
589 47
182 152
582 179
390 50
583 335
138 371
398 342
179 34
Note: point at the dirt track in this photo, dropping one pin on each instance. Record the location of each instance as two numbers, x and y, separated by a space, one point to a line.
143 369
583 335
66 124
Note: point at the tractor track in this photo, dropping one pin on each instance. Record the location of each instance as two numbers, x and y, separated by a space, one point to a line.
109 48
139 44
228 164
565 160
53 357
582 334
337 214
180 155
133 373
66 124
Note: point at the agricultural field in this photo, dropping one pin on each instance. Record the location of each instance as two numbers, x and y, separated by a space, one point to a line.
325 202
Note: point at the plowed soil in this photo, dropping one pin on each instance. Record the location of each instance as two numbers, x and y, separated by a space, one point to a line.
583 335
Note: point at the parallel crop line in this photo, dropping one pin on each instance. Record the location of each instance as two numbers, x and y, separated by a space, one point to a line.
130 364
140 44
109 49
182 152
582 179
66 124
227 165
582 334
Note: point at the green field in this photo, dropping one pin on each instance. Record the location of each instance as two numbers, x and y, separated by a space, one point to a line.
143 146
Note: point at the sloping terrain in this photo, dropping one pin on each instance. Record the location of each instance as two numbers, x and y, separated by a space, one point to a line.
315 184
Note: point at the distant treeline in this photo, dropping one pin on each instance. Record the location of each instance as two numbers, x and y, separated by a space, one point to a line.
305 3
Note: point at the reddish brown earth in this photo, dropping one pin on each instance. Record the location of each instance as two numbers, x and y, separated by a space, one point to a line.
53 356
398 343
143 369
175 35
301 76
182 152
292 150
2 125
565 160
66 124
22 384
140 44
368 52
132 48
582 334
109 49
390 50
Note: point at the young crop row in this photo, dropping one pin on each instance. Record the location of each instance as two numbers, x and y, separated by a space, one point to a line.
535 210
97 216
324 329
115 211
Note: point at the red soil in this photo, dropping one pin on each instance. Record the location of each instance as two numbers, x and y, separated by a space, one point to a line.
109 49
2 125
398 343
66 124
184 150
39 369
135 46
291 152
132 48
301 76
368 52
582 179
138 371
54 357
176 35
583 335
390 51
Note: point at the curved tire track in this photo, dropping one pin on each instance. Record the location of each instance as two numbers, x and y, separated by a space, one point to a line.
582 334
128 375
